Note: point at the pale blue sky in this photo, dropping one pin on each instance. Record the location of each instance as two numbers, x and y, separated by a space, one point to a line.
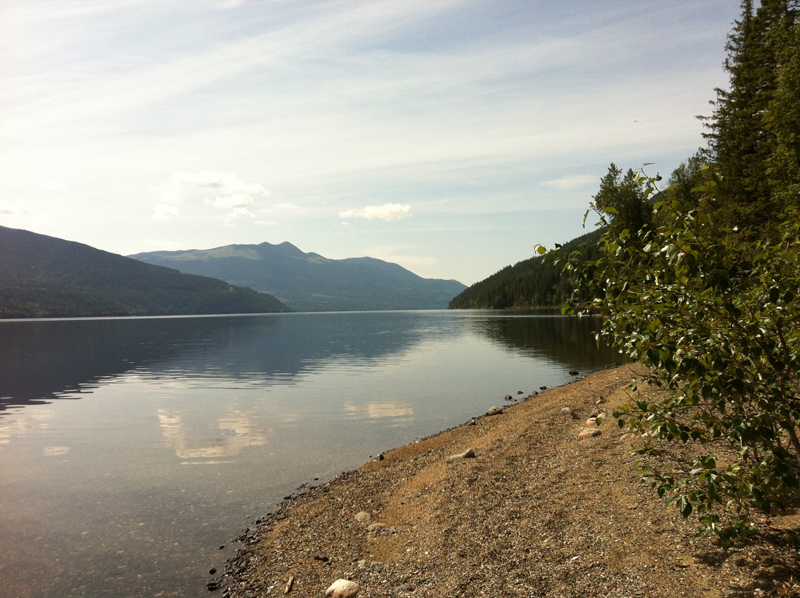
449 136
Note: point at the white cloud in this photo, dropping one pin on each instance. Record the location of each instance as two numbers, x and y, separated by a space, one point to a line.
165 211
236 195
573 182
385 213
226 182
235 201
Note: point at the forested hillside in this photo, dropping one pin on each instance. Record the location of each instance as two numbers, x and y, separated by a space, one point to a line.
42 276
535 282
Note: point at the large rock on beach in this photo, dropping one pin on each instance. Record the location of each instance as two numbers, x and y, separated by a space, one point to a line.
343 588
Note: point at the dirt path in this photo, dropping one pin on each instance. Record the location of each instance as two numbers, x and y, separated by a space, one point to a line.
537 512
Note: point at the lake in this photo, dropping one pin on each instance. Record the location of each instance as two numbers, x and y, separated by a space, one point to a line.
133 449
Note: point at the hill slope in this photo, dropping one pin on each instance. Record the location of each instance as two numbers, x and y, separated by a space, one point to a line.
311 282
43 276
535 282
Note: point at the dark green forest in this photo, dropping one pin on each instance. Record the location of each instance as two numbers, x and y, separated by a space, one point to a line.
42 276
535 282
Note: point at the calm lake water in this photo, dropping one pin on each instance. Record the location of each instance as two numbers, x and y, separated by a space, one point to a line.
132 449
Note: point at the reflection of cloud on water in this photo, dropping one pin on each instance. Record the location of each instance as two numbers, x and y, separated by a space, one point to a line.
401 412
22 423
240 423
55 451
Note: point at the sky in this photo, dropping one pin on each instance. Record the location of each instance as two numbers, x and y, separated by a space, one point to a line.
448 136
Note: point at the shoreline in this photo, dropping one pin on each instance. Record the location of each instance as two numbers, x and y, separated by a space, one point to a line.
537 512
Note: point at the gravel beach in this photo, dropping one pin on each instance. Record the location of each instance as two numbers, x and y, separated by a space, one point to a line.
534 510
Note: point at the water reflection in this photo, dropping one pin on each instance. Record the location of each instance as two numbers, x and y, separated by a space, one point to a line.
45 360
240 423
558 338
399 412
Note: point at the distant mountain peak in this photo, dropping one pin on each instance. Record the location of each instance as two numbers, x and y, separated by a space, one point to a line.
312 282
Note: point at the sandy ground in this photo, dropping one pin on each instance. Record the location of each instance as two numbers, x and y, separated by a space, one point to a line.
537 512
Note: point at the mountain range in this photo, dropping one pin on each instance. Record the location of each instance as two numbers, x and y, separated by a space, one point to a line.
311 282
43 276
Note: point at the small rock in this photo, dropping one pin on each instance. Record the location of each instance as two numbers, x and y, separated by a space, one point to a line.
508 398
343 588
212 586
542 388
212 571
324 559
468 454
494 411
519 392
377 526
574 372
363 518
589 433
566 411
627 436
591 422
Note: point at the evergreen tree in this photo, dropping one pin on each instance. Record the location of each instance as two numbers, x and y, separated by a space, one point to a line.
623 200
783 117
741 140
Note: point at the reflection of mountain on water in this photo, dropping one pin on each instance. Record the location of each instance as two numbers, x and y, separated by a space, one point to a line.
42 360
569 341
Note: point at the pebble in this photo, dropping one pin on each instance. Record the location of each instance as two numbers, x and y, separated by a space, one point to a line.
363 518
468 454
494 411
591 423
566 411
589 433
574 372
343 588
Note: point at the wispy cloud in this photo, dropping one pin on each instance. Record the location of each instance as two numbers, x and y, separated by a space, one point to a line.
572 182
385 213
476 109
